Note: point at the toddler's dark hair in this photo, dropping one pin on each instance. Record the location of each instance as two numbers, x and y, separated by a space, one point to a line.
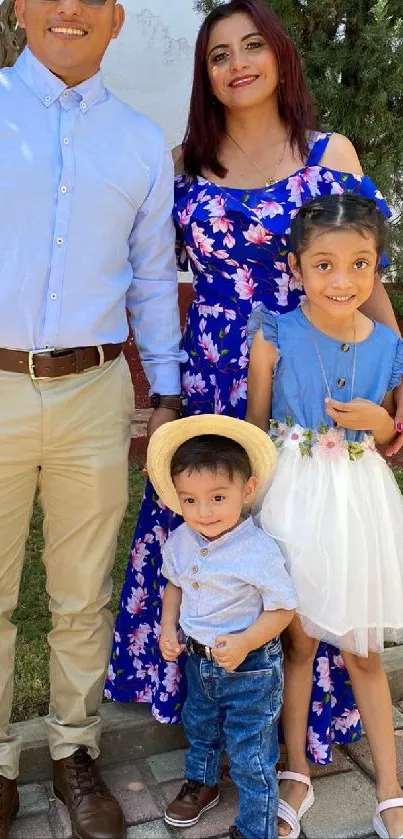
212 452
337 212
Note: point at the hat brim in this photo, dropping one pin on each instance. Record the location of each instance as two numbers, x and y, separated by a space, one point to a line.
167 438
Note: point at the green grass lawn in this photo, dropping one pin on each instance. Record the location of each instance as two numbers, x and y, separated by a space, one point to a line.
32 617
31 691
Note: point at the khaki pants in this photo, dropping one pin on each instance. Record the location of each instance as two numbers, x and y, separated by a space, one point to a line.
71 437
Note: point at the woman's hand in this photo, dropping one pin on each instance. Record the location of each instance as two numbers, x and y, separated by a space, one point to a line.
396 444
362 415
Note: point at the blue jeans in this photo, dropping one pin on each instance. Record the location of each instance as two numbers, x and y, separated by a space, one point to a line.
238 711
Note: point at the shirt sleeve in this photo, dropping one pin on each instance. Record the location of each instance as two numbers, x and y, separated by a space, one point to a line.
269 575
152 299
168 565
262 319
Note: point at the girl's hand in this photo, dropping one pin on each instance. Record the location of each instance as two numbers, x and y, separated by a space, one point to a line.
362 415
169 645
230 651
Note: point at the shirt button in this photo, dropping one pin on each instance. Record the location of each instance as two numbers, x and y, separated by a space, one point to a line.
345 347
53 296
195 569
341 382
48 99
63 189
204 552
59 241
65 141
83 106
195 585
65 94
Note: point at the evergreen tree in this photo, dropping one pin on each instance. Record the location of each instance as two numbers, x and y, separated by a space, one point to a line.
353 56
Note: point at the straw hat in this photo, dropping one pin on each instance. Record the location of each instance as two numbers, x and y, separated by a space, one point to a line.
168 437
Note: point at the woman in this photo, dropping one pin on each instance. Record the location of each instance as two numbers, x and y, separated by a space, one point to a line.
250 158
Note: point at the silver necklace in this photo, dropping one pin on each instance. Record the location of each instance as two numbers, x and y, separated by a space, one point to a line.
269 181
322 367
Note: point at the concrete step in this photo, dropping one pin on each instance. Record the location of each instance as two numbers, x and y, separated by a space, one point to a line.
130 733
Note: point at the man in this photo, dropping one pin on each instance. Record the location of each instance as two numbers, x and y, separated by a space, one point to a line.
85 230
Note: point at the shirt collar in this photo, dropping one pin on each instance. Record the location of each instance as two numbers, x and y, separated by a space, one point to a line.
49 87
215 543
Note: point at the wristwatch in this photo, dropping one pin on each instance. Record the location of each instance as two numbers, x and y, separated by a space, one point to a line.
171 401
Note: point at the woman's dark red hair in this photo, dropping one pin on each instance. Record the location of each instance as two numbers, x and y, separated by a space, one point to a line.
206 123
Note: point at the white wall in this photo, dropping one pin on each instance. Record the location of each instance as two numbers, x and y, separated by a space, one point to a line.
150 65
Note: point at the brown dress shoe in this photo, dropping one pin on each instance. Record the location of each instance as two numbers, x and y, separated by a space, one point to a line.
191 802
94 812
9 803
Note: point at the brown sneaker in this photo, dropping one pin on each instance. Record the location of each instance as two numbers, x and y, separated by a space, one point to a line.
94 812
9 803
191 802
234 833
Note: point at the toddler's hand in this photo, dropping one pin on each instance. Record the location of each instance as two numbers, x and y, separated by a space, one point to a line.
170 646
230 651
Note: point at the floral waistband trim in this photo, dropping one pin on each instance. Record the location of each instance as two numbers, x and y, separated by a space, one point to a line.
326 440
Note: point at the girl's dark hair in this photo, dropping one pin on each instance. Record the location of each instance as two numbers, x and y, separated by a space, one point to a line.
337 212
206 123
212 452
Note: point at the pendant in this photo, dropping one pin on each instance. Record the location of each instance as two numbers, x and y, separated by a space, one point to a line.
270 182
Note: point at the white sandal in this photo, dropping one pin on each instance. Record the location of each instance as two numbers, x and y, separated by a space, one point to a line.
286 812
378 824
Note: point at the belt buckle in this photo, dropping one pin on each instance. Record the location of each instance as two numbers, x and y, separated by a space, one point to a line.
31 362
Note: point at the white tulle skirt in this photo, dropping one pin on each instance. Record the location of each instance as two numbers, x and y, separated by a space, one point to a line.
339 523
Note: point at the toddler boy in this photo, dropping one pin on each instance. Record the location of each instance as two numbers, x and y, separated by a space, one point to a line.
231 595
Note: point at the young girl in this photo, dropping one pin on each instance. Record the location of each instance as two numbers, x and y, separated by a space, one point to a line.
325 374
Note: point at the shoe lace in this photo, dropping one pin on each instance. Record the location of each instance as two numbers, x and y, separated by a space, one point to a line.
191 788
84 773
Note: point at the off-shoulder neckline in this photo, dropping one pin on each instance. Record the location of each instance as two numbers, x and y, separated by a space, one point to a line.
245 191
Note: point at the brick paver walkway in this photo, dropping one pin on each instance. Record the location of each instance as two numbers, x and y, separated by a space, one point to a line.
344 792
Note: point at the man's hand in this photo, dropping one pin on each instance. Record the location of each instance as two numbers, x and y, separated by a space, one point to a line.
169 644
158 417
396 444
230 651
362 415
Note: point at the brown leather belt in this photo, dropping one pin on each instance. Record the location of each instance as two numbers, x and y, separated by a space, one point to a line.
50 364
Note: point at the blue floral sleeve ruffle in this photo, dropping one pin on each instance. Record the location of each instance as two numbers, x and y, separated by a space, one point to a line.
397 372
262 319
369 190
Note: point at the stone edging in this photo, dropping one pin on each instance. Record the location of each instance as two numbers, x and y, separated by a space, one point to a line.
130 733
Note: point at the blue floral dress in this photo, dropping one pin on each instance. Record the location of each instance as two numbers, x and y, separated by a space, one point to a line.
236 243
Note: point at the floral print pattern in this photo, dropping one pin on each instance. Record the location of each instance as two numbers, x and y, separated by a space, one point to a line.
326 441
236 243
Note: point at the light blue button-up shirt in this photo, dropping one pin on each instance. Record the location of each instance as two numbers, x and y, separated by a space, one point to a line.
86 193
228 582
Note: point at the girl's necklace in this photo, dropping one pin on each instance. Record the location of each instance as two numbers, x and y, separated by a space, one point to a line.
322 366
269 181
